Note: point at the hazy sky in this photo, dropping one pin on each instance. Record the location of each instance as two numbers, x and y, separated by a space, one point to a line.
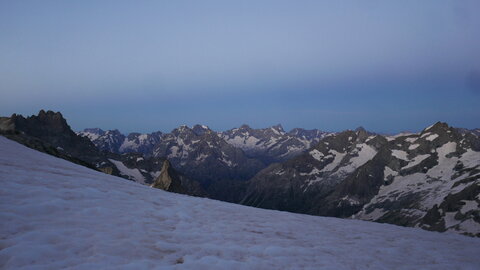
153 65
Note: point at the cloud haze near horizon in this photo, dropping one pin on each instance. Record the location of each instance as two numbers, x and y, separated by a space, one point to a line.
148 65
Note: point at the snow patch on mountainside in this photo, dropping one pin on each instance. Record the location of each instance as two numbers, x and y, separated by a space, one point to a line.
90 135
432 186
337 158
133 174
316 154
400 154
431 137
364 153
416 160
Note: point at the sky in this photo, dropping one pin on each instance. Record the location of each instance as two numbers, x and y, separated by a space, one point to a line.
144 66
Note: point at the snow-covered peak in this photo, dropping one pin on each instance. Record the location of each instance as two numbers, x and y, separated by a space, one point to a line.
436 127
91 133
201 129
278 129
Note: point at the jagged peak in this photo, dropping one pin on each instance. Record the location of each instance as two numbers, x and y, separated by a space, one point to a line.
278 127
168 179
94 130
114 131
200 129
360 128
437 126
49 113
50 116
201 126
52 119
166 165
441 129
296 130
244 126
183 127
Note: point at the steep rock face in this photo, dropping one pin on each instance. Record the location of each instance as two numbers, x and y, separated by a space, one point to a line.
204 156
272 144
50 130
171 180
167 180
429 180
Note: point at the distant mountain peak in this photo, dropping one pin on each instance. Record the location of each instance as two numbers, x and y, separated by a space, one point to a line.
437 126
278 127
244 127
94 130
200 129
182 129
360 128
49 113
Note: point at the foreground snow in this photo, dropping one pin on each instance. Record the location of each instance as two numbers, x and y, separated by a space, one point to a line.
55 214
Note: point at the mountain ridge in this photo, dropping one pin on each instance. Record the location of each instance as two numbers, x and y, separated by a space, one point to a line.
429 179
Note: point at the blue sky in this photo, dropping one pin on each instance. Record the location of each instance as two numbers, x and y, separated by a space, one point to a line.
153 65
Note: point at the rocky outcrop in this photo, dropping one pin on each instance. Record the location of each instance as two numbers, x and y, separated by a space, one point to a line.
172 181
168 180
49 132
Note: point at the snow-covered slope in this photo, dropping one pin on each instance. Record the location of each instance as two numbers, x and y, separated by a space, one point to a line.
56 214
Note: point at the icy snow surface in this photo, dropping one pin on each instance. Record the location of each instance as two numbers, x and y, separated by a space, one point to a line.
58 215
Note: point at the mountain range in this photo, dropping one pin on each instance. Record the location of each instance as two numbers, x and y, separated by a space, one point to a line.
429 179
